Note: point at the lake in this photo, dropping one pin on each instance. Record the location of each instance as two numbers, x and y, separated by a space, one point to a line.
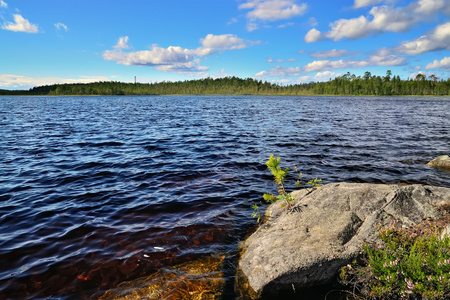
95 191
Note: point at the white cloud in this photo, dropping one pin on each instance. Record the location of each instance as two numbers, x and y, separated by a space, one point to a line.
175 59
262 74
122 43
20 25
183 68
3 4
154 57
325 76
214 43
18 81
320 76
312 22
384 57
413 75
313 35
322 65
279 60
437 39
232 21
364 3
60 26
443 64
273 10
332 53
285 25
380 58
251 26
382 19
280 72
352 29
428 7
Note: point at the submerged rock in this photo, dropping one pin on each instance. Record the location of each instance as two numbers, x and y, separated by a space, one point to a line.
305 246
440 162
197 280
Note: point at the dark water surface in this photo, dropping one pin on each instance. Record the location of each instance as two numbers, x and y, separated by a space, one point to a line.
95 191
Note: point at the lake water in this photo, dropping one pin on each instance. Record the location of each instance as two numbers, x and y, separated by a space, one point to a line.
95 191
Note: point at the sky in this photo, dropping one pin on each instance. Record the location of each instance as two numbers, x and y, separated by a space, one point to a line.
45 42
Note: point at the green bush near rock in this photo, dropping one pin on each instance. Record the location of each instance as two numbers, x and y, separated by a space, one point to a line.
279 175
402 264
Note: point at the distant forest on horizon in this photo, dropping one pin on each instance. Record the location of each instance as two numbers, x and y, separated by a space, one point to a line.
347 84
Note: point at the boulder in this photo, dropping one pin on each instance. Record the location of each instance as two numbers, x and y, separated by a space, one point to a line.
306 245
440 162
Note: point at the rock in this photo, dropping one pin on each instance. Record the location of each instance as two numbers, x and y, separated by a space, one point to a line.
197 280
307 245
440 162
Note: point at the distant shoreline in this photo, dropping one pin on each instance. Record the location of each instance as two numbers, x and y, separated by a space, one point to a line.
346 85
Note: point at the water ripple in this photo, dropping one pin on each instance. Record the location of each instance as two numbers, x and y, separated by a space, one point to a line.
95 191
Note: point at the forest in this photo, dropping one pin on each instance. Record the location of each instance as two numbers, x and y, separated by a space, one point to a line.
347 84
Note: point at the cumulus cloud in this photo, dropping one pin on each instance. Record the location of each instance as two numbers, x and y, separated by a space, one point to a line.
380 58
214 43
381 19
271 10
61 26
443 64
437 39
279 60
313 35
3 4
18 81
428 7
414 75
320 76
153 57
280 72
20 25
174 58
326 75
183 68
122 43
332 53
364 3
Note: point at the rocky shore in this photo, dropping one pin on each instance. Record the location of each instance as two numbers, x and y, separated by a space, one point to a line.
306 245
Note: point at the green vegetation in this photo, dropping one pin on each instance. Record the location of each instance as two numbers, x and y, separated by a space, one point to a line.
279 175
348 84
403 265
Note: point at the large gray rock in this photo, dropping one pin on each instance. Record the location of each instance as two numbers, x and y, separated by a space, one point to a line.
442 161
306 245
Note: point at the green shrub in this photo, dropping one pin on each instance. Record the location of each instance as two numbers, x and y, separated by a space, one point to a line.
403 265
279 175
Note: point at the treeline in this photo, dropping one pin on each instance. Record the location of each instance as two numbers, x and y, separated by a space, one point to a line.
348 84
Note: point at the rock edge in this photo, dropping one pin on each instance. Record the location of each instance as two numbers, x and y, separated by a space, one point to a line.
306 245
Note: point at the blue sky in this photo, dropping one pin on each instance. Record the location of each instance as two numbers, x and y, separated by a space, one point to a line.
283 41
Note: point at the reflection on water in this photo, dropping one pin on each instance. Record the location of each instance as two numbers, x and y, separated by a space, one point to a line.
96 191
